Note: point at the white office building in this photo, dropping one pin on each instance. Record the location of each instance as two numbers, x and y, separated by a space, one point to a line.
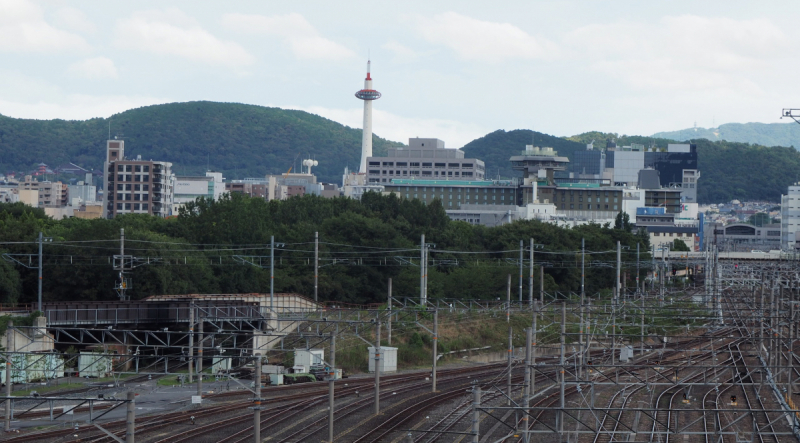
790 218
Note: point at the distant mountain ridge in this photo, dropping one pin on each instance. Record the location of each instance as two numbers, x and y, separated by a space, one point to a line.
764 134
236 139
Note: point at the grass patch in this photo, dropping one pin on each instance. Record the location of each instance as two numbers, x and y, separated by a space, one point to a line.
44 389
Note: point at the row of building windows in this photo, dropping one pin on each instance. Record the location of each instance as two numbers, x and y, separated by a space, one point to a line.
439 189
133 206
588 199
419 173
671 234
121 187
133 178
137 197
590 207
424 165
133 168
458 197
588 193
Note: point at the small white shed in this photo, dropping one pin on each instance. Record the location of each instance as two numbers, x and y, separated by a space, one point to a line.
388 359
309 357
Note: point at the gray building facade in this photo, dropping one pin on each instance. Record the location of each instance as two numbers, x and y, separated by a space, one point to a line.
424 158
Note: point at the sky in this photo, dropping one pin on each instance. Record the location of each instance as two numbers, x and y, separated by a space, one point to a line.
449 70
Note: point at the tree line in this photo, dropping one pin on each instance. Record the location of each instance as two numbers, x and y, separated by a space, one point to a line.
224 247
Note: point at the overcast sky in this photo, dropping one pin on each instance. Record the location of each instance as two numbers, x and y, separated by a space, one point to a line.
451 70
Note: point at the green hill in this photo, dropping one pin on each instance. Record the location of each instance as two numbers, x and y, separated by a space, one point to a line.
238 140
764 134
497 147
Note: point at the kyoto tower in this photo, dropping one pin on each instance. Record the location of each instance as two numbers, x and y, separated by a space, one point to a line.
368 95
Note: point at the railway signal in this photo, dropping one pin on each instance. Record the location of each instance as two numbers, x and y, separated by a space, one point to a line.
733 400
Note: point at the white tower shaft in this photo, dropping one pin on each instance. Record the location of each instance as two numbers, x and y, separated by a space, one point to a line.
366 137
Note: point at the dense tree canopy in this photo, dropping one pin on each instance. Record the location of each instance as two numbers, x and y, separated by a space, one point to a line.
224 247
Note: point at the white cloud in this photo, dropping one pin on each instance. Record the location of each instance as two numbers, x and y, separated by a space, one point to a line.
479 40
399 128
76 106
301 36
94 68
402 53
23 29
171 32
684 53
75 20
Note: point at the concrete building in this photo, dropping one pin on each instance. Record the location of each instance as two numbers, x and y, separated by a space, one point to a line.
82 192
455 193
50 194
626 161
135 186
590 163
190 188
424 158
254 187
743 237
790 218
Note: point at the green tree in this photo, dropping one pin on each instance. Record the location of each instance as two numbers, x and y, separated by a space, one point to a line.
680 245
623 221
759 219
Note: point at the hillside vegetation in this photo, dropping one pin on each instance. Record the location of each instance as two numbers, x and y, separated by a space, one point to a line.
496 148
765 134
239 140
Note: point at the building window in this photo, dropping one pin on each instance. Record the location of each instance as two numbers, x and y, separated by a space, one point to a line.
128 206
374 163
145 187
119 206
136 207
120 187
128 168
439 165
147 168
146 178
120 178
138 168
145 206
374 171
402 164
388 163
572 206
120 168
120 196
426 165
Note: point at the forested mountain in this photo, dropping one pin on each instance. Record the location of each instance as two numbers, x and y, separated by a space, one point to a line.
497 147
239 140
222 247
764 134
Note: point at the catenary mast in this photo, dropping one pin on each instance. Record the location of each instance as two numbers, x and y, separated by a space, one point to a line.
368 95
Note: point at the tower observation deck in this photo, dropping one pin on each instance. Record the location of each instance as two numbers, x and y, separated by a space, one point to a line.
367 95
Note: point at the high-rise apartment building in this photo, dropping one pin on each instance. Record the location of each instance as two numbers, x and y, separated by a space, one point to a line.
135 186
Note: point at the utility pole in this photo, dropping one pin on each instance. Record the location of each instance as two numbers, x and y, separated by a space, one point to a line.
41 238
122 285
199 357
614 306
476 413
435 347
637 268
191 340
510 358
533 356
530 278
9 349
378 365
581 339
389 317
130 420
257 407
527 393
331 380
508 300
271 275
422 295
562 374
541 286
521 249
316 266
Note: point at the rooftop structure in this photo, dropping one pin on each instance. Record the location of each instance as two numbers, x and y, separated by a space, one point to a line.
424 158
539 163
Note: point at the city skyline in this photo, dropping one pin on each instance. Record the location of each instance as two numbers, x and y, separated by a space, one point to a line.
452 70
